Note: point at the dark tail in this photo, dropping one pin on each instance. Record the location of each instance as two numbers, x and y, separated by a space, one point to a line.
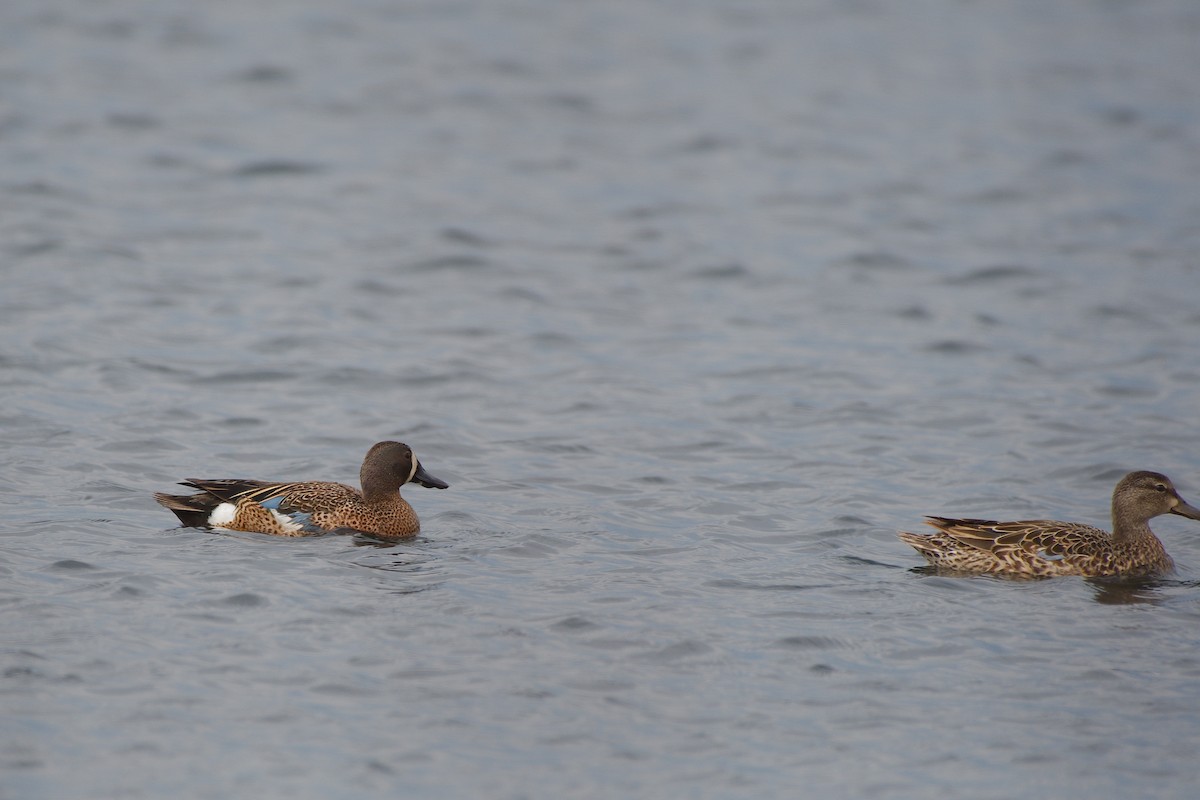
192 509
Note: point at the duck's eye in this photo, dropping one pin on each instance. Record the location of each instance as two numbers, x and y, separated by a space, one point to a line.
1160 487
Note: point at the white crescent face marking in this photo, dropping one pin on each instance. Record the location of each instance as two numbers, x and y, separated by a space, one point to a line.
412 471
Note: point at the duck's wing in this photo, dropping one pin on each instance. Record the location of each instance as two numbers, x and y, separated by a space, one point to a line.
230 490
1041 537
300 496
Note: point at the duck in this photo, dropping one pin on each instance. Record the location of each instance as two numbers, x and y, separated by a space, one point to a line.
1047 548
302 508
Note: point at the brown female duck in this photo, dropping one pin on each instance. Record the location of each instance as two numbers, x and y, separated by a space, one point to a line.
1044 548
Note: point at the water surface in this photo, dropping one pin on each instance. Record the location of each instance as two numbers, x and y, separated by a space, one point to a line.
693 304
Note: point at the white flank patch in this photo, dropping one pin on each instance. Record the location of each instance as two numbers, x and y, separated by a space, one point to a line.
287 522
222 515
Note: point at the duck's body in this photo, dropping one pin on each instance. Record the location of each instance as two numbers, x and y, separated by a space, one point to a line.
304 507
1045 548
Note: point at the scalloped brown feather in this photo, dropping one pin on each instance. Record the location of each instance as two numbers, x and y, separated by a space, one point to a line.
1030 548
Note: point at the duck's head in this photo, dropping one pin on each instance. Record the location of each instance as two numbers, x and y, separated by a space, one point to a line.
1150 494
390 465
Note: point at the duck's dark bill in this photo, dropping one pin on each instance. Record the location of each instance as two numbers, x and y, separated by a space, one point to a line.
425 479
1185 510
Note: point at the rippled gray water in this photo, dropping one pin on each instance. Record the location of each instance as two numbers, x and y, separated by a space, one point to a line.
693 303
